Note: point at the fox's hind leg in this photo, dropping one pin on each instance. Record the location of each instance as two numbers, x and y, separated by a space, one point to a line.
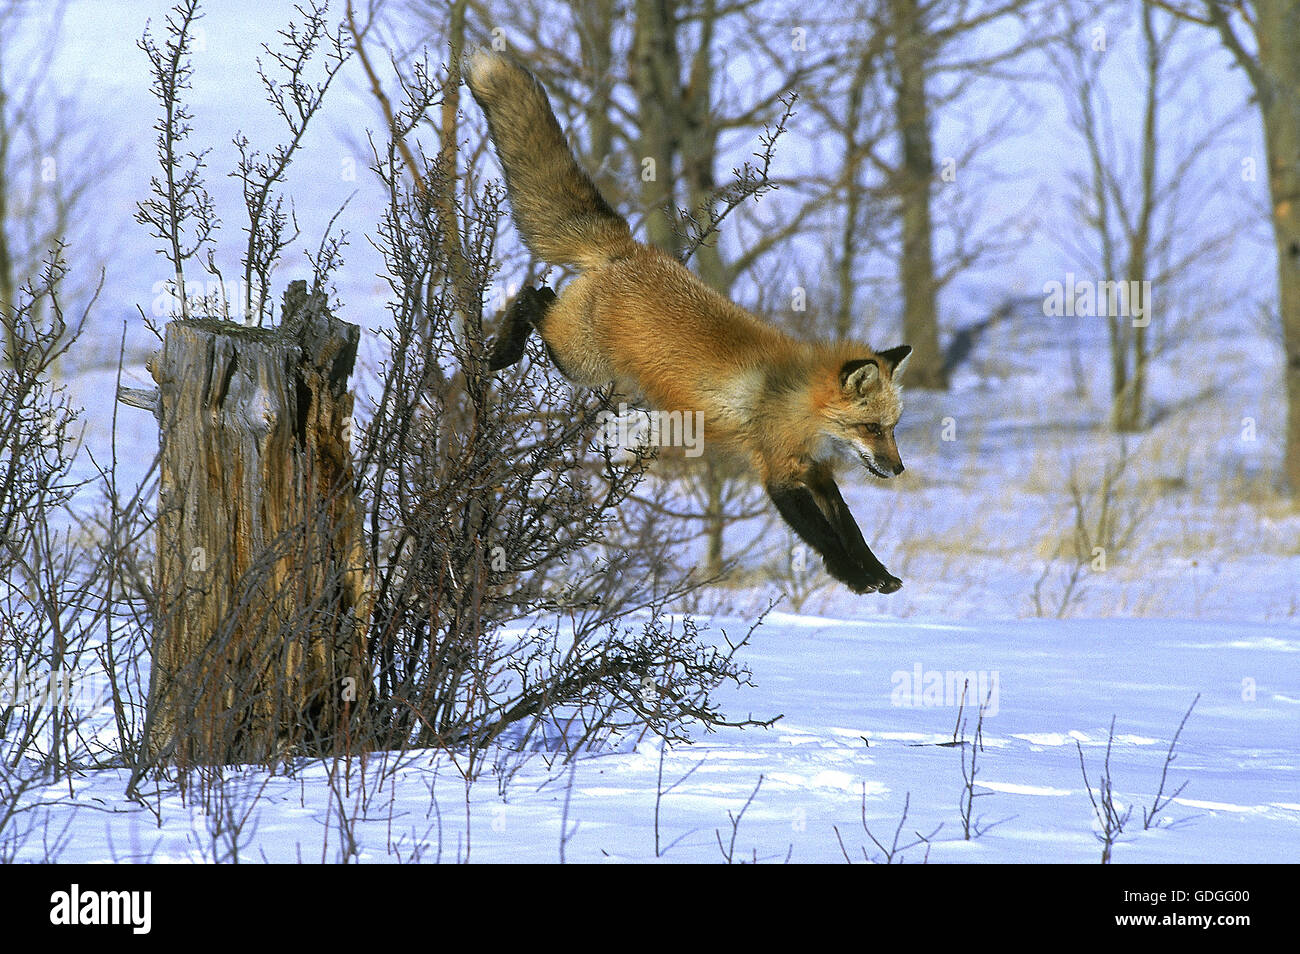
521 316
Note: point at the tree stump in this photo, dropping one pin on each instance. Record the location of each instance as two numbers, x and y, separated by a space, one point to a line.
261 601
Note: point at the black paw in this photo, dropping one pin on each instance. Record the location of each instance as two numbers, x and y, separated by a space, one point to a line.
860 580
890 584
527 308
534 301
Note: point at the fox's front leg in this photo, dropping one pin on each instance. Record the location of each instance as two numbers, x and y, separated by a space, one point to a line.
829 500
814 509
523 313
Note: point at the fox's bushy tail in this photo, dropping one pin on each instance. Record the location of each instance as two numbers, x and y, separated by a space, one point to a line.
563 217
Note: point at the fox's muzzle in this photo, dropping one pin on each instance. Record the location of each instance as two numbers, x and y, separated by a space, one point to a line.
883 470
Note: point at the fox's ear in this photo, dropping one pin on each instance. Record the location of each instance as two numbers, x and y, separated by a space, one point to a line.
859 375
896 359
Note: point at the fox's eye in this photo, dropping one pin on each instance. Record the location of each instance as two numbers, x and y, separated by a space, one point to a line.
874 430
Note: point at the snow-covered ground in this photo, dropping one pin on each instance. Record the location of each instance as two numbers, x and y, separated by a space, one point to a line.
860 733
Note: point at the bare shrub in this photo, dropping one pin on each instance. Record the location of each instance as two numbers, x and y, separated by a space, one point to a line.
1151 816
970 825
1105 519
893 852
45 613
1110 819
519 591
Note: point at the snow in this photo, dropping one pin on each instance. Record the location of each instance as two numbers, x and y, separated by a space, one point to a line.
839 740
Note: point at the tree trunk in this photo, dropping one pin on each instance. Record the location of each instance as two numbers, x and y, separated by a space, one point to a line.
1277 29
698 146
259 642
655 71
1129 391
846 276
8 281
916 170
594 21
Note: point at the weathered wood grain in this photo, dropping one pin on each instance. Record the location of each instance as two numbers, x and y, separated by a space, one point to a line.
259 647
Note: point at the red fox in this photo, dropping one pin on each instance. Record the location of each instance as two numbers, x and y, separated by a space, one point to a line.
638 318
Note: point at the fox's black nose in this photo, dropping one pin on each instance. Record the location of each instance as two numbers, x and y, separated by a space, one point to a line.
899 469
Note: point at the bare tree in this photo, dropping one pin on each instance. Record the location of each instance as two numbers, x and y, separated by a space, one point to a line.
48 164
1110 819
179 211
910 63
862 129
914 175
860 198
1136 194
1273 69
